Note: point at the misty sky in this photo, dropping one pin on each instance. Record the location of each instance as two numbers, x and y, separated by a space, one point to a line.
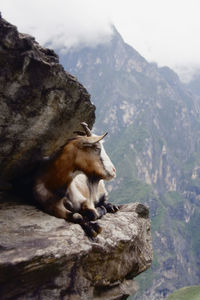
163 31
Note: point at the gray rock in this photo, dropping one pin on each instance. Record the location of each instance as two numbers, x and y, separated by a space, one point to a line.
40 104
43 257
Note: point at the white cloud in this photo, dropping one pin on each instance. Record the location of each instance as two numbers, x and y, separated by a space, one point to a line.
60 22
164 31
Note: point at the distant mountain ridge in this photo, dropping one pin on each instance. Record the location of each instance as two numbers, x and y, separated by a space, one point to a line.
194 84
154 127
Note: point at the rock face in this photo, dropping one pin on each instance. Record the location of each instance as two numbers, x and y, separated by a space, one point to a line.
46 257
41 105
155 125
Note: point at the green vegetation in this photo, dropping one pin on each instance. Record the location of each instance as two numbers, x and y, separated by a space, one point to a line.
133 191
193 160
145 282
138 135
160 113
193 230
186 293
157 220
172 198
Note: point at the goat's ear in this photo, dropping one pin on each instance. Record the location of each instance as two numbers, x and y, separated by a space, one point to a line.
95 139
92 140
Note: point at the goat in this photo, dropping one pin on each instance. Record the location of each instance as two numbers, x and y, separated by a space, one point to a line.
82 154
89 193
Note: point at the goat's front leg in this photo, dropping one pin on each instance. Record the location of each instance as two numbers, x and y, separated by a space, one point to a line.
101 211
92 213
59 210
110 208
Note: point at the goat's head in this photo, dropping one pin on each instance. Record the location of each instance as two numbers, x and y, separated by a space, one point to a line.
91 157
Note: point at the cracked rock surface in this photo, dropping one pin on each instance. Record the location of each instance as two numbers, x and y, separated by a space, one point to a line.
51 258
41 105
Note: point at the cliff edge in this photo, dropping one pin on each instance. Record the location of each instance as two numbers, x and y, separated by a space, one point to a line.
43 257
46 257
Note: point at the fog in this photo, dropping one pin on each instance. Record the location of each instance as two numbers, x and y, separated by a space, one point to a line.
163 31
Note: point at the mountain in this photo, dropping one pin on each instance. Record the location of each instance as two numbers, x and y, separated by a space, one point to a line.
154 127
194 84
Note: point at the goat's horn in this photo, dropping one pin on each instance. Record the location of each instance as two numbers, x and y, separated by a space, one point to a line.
95 138
86 128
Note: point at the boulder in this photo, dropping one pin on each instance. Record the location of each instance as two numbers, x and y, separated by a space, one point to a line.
41 105
43 257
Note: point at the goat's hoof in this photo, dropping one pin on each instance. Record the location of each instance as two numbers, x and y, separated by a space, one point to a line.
77 218
94 233
120 206
97 227
101 211
111 208
116 207
90 215
90 232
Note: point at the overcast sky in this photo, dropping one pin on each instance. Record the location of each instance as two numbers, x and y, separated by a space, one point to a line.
163 31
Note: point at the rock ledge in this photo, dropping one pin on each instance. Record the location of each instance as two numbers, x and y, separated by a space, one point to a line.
45 257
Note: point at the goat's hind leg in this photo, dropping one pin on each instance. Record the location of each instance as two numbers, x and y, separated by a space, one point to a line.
91 229
96 227
59 210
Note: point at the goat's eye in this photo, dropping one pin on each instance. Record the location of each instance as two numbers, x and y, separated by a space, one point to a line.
98 150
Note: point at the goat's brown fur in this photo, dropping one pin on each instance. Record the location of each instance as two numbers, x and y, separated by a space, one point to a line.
79 154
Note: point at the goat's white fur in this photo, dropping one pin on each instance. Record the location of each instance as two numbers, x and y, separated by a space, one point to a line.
108 165
81 192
